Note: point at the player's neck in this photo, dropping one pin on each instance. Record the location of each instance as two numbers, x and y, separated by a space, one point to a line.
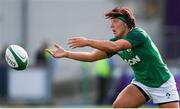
126 32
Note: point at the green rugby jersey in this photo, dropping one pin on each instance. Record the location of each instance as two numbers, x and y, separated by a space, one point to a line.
144 58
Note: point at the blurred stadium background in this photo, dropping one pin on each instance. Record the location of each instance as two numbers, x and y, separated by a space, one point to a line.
48 82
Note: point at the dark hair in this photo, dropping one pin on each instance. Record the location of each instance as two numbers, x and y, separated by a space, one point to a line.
122 12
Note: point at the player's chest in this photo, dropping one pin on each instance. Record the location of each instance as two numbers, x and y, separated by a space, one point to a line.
130 56
126 54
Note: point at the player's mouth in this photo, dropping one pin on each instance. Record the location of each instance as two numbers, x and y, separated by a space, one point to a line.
113 31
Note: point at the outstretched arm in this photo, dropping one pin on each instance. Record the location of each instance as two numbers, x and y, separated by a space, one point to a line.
60 52
103 45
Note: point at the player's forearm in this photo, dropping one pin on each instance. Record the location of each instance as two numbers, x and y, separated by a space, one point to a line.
103 45
80 56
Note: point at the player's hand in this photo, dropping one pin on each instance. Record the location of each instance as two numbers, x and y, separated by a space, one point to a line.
77 42
58 52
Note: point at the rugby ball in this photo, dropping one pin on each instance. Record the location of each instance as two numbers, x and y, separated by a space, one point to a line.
16 57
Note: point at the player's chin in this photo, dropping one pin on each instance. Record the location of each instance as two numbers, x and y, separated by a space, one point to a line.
115 35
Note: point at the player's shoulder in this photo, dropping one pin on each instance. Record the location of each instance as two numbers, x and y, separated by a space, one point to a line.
137 31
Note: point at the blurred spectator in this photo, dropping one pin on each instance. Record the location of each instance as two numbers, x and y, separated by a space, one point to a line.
102 71
123 80
41 56
85 82
3 76
45 61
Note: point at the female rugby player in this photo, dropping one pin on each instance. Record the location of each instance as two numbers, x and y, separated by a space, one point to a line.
152 79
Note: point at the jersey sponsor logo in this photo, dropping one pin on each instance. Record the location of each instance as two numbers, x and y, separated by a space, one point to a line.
128 50
133 61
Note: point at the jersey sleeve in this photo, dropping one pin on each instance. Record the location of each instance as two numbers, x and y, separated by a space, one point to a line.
136 38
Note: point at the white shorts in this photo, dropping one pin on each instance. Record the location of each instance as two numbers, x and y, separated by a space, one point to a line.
167 92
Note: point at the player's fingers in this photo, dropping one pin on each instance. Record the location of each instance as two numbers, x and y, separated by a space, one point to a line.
73 46
74 38
49 51
56 46
71 41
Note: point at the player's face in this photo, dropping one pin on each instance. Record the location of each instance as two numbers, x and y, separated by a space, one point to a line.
118 27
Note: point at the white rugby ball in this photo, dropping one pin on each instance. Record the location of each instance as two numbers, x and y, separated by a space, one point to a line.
16 57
